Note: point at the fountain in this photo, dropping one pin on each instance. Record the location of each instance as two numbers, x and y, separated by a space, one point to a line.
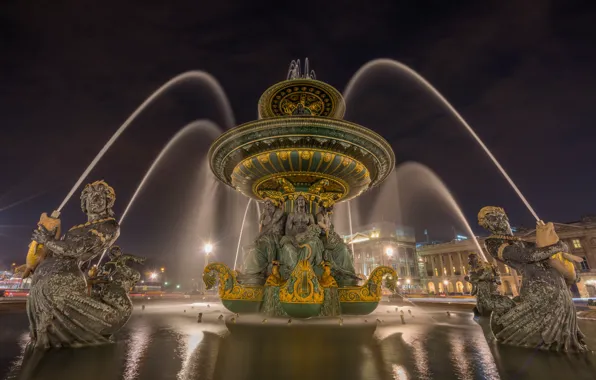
300 158
298 161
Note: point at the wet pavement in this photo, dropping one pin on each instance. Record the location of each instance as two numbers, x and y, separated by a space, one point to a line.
165 342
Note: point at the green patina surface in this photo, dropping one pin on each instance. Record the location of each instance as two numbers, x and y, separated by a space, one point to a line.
237 306
302 310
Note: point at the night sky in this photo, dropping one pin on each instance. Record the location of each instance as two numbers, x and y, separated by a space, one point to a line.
523 73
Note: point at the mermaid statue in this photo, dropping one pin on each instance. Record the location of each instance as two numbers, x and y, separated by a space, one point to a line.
61 312
485 279
545 316
259 262
337 253
301 240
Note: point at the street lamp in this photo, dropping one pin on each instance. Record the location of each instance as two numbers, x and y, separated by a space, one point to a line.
446 288
408 282
153 276
208 248
389 252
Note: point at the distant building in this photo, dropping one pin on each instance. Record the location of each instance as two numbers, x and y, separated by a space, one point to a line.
444 265
386 243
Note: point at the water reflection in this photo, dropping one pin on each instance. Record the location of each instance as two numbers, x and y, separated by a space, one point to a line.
137 346
166 345
459 356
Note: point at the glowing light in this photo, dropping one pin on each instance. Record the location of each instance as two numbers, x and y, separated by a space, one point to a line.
153 276
408 281
389 251
162 269
445 282
177 286
208 248
165 283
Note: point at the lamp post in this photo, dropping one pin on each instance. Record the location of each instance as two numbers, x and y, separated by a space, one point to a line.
389 252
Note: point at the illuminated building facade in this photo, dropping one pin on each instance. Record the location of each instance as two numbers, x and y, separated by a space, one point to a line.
386 243
444 265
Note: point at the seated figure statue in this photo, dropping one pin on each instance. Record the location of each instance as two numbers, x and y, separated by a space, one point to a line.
337 253
301 240
545 316
61 312
258 264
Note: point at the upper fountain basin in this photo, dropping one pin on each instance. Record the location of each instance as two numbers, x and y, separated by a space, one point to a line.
323 158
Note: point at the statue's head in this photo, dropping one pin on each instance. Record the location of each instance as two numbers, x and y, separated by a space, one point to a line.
494 220
300 204
114 252
98 198
326 206
270 204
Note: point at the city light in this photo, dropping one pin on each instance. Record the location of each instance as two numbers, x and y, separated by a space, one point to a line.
162 269
398 283
153 276
208 248
177 286
445 282
389 251
165 283
408 281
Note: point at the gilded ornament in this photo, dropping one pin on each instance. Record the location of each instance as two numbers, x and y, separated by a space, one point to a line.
371 290
229 288
302 287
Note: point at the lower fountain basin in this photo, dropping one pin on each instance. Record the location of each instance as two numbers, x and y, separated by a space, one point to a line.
242 306
302 310
358 308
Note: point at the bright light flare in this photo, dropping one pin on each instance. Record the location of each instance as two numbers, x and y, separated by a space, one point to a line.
208 248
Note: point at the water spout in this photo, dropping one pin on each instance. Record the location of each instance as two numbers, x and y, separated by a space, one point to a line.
351 232
201 76
415 173
400 67
241 229
196 126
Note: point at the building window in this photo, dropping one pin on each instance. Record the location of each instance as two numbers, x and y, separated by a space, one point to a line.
576 243
454 270
584 264
436 272
445 271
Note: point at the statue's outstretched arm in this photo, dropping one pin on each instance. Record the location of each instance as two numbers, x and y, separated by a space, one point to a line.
523 253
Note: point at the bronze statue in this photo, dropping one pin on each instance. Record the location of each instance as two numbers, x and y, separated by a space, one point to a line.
61 312
337 253
545 316
302 233
485 279
259 262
